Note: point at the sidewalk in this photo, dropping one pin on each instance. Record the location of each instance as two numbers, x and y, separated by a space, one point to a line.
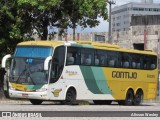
5 100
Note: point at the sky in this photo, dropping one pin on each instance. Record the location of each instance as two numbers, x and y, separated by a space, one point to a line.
103 26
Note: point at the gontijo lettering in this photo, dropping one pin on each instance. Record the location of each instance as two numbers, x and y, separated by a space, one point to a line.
121 74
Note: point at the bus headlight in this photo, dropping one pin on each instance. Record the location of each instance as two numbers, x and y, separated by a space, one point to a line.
41 90
11 88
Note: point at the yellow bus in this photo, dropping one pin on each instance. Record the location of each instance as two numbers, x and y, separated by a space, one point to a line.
81 70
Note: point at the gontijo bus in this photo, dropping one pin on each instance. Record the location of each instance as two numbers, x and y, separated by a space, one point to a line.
82 70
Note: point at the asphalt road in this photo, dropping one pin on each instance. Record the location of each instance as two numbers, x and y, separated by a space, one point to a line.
50 110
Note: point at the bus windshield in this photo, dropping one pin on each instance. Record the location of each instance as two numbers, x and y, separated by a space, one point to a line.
27 65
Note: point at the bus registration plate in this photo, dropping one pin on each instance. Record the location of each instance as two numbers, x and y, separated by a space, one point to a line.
24 95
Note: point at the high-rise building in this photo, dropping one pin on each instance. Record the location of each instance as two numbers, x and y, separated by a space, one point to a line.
121 15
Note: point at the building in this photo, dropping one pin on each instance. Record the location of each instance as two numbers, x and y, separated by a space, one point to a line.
121 15
144 33
90 36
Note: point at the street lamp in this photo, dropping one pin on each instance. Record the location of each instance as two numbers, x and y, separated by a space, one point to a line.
110 2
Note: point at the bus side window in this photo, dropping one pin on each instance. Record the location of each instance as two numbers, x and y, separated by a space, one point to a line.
87 56
119 60
96 61
153 66
70 60
126 60
133 64
137 61
146 62
133 60
113 59
88 61
126 64
57 63
100 58
111 63
153 62
73 56
82 58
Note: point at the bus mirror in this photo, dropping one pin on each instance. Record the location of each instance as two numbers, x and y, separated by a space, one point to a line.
46 62
4 59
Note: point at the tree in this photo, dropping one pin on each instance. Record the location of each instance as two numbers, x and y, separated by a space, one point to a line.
20 18
41 14
12 27
84 12
10 31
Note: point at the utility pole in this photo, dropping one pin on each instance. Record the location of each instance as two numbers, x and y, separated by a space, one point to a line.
145 32
110 2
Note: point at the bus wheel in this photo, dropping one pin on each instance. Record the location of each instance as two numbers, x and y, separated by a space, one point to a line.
129 99
138 98
102 102
70 97
36 102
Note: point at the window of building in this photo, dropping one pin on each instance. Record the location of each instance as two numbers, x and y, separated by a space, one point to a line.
156 32
134 32
141 9
118 24
146 9
155 9
118 30
135 9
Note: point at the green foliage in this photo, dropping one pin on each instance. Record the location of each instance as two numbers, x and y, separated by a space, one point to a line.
10 32
41 14
85 12
20 18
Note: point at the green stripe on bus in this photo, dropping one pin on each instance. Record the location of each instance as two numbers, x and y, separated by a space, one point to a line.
90 80
35 87
100 80
82 45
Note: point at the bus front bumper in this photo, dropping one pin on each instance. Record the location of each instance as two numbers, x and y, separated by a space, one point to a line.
28 95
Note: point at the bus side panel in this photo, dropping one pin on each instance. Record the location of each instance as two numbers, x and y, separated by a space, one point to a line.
89 83
114 84
151 93
120 80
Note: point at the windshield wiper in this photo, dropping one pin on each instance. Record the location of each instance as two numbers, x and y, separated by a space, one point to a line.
27 75
21 75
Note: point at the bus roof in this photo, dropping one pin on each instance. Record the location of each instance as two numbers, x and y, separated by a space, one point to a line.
87 44
41 43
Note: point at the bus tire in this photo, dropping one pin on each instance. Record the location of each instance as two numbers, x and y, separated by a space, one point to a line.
128 100
70 97
138 97
102 102
36 102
